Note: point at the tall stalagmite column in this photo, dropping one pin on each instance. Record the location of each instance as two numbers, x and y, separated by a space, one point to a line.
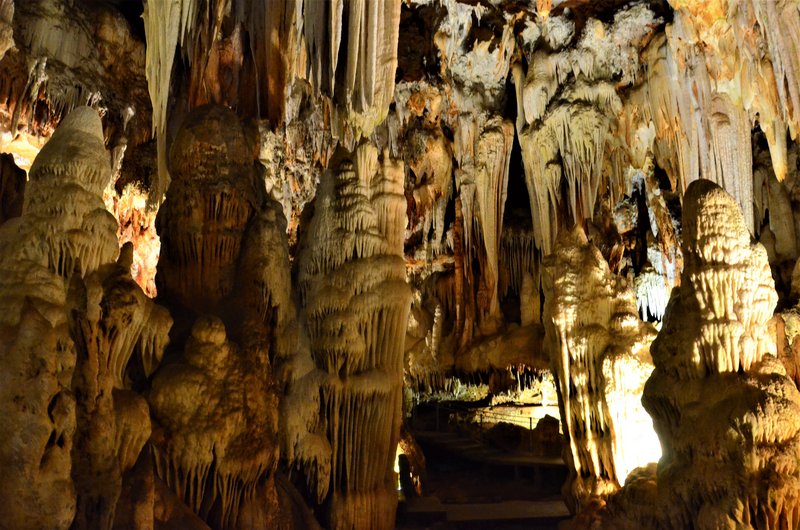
599 354
352 281
726 413
216 406
715 367
71 320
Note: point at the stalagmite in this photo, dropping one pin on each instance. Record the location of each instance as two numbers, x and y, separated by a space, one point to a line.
352 282
65 240
371 206
213 449
210 203
599 353
715 368
219 427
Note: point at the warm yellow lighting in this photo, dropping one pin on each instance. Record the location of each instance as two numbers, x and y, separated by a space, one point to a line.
137 224
23 147
543 8
635 441
397 453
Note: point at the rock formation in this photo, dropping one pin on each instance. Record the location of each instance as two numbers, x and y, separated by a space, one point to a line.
74 320
715 367
224 270
321 212
352 282
599 353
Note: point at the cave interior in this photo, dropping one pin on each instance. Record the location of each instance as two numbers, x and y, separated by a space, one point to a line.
416 264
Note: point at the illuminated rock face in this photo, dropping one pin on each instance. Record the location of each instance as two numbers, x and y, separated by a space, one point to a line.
73 322
585 109
715 367
723 407
351 277
599 354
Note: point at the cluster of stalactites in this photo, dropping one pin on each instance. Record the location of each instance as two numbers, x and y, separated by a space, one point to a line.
292 45
766 84
365 85
352 279
600 360
567 105
520 272
711 79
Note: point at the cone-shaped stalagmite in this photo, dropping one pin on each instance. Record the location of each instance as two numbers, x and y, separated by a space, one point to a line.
724 409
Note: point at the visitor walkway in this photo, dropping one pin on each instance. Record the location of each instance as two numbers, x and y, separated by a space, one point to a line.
530 514
469 449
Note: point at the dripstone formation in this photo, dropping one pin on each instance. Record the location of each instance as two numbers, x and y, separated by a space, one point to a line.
249 248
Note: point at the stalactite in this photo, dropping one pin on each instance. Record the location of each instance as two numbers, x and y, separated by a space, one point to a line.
491 182
167 24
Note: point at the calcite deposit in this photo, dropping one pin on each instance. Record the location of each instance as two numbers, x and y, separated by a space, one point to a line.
74 319
599 354
356 301
245 244
722 404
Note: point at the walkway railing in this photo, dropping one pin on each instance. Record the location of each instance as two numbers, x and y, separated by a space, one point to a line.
524 421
